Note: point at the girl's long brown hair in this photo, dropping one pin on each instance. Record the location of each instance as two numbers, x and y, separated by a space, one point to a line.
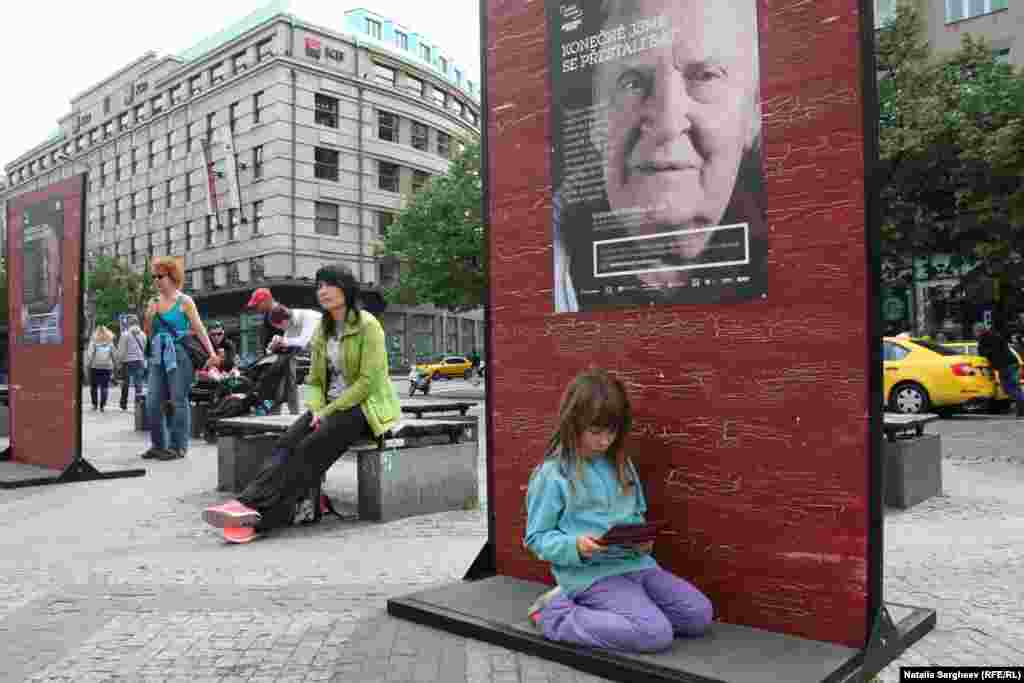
595 398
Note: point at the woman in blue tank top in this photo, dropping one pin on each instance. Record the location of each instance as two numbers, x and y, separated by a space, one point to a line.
170 317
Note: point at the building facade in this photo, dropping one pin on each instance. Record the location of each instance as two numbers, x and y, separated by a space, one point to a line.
999 21
330 130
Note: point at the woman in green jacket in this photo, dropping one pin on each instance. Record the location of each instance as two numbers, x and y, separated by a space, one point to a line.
349 398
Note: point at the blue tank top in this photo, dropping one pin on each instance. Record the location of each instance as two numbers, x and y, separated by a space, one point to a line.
176 319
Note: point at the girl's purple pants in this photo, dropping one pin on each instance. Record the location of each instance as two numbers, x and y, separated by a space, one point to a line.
636 612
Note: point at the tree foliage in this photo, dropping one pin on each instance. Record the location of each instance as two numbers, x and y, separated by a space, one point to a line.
114 288
951 152
438 239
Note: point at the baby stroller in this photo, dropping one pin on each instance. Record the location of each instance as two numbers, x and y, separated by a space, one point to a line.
259 388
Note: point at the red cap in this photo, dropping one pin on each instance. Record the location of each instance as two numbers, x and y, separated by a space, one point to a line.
259 296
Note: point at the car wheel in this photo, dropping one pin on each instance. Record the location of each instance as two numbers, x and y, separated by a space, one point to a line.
909 398
467 375
436 375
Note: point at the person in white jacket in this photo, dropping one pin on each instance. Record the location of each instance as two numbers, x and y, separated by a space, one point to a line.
296 326
131 354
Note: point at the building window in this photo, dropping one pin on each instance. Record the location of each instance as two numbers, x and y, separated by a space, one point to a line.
1002 56
83 142
124 121
188 186
384 75
103 174
106 105
232 114
387 126
117 168
415 85
233 276
176 95
94 135
149 246
373 28
444 145
150 202
326 219
440 97
384 221
140 112
257 162
238 62
209 231
167 240
443 64
103 218
419 136
210 118
958 10
167 193
188 236
232 225
472 116
458 76
108 129
209 282
217 73
133 256
257 104
419 180
387 176
425 53
190 280
157 104
402 40
195 85
118 207
134 200
170 146
152 154
265 49
387 271
326 111
257 217
326 166
256 268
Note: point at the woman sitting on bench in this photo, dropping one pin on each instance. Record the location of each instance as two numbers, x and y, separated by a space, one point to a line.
609 595
350 399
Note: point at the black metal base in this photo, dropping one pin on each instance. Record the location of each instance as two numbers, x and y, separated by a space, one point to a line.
79 470
494 610
483 566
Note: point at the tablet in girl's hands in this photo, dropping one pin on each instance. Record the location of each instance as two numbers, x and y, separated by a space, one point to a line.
631 534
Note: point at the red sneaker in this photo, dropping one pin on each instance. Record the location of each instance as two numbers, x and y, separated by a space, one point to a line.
240 534
231 515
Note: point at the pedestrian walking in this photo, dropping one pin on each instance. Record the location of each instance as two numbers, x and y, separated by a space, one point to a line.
350 397
995 349
608 596
131 356
169 319
100 359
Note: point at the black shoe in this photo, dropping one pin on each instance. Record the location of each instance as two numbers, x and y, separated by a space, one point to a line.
171 454
103 409
152 454
94 409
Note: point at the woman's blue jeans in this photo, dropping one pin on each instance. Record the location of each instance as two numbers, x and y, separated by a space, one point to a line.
170 432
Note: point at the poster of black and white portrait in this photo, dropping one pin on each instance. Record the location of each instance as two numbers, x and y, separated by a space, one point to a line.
657 169
42 298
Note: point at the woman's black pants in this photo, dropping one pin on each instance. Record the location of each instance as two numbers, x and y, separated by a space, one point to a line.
301 457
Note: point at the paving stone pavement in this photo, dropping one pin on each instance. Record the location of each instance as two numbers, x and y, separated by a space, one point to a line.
120 580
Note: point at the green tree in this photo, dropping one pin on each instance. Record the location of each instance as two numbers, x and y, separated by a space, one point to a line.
114 288
438 239
951 159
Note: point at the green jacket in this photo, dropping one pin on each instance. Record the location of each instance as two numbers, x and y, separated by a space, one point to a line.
365 368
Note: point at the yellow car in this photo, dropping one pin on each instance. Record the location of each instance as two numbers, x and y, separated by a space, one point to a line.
970 348
448 367
921 376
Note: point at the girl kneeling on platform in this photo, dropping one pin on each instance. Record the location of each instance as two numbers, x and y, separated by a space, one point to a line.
350 398
608 596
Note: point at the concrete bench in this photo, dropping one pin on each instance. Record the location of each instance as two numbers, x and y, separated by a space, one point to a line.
913 460
420 467
198 421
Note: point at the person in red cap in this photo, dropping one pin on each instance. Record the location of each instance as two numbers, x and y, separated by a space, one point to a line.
262 301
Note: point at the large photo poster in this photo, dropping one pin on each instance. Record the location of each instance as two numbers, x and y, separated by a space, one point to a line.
656 158
42 293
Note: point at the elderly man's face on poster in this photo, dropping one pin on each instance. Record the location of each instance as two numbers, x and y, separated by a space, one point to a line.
681 115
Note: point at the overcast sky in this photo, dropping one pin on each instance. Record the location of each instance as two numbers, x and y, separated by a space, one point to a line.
52 50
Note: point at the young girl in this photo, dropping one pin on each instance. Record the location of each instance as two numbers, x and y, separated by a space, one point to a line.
611 597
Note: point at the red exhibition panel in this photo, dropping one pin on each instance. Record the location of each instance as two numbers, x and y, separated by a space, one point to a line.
751 412
44 268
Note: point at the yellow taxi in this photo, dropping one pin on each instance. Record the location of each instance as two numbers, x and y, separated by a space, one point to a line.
448 367
970 348
922 376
